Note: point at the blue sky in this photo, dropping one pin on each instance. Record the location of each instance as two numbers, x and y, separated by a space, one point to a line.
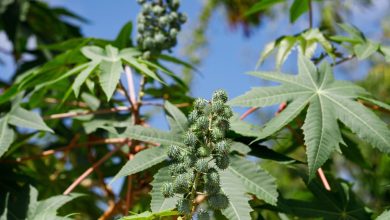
230 53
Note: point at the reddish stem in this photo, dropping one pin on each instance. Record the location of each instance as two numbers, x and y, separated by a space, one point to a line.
323 179
90 170
250 111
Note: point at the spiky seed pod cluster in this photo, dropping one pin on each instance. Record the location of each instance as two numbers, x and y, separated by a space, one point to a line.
195 166
159 23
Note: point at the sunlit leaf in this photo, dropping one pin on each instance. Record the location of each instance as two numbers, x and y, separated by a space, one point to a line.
22 118
7 135
329 100
239 208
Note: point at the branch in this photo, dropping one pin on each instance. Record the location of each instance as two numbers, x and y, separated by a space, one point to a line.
90 170
88 112
67 148
130 84
310 14
250 111
345 59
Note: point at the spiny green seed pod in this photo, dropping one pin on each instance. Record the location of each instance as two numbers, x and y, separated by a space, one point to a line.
159 38
163 20
218 201
223 147
203 215
174 4
193 116
217 134
190 139
202 123
158 10
222 124
203 151
180 185
148 43
222 161
200 103
220 95
182 18
184 206
146 8
217 107
212 189
167 190
212 177
173 33
227 112
177 168
174 152
190 177
189 160
202 165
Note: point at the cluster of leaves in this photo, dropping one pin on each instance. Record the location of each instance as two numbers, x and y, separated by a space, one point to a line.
24 204
159 22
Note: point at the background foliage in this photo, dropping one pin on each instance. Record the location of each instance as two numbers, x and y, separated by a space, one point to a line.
76 116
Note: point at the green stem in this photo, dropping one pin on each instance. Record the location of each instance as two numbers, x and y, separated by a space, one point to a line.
193 195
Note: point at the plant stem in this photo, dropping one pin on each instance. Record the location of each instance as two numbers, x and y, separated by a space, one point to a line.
67 148
193 195
91 169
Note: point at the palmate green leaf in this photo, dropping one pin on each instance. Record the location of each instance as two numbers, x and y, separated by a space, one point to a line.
353 31
285 46
109 76
384 216
143 68
159 202
262 6
255 180
47 209
386 52
7 135
363 122
81 77
152 135
239 208
151 215
22 118
321 131
240 148
32 209
340 203
244 128
329 101
179 119
306 42
124 37
298 8
376 102
142 161
366 49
